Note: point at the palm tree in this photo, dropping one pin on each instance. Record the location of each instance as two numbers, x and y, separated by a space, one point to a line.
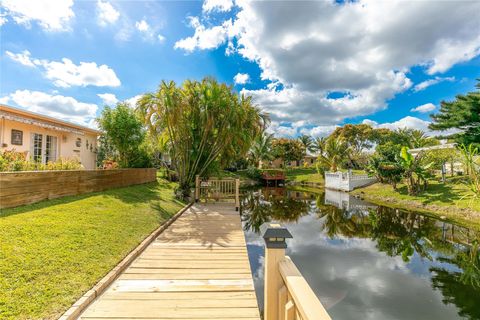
307 142
336 150
261 149
319 144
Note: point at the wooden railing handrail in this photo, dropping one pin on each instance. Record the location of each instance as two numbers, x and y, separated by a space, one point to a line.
218 188
305 300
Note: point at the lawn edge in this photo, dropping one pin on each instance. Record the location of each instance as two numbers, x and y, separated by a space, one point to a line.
83 302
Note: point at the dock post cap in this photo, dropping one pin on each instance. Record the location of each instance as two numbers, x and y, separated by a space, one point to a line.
275 235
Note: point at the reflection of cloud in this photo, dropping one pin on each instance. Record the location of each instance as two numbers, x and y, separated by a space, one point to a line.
356 280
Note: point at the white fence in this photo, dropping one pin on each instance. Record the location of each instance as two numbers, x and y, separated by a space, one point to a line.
346 181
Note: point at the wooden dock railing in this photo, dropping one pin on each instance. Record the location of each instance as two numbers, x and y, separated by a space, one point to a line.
287 294
217 189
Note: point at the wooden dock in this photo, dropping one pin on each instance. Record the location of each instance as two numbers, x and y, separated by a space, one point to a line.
196 269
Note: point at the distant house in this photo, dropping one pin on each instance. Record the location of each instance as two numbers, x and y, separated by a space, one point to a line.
278 163
45 139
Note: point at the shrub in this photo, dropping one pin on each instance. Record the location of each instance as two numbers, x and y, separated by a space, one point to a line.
11 160
254 173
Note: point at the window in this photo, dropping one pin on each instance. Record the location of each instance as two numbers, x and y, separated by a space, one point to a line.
78 142
37 141
51 149
17 137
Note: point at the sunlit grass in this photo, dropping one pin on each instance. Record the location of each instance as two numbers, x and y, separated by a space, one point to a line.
54 251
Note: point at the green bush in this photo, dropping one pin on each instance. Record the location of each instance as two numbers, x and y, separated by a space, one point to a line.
253 173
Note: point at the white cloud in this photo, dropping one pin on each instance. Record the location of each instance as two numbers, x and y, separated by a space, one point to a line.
142 26
148 32
424 108
22 58
133 100
318 131
406 122
106 13
66 73
217 5
57 106
241 78
204 38
430 82
108 99
3 20
301 51
51 15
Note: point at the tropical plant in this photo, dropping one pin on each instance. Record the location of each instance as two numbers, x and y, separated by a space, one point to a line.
471 160
206 123
261 149
124 131
11 160
336 151
463 114
307 142
415 172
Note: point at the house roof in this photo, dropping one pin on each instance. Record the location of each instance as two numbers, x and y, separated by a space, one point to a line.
21 115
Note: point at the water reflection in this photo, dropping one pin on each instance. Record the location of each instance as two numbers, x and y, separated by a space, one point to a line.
367 261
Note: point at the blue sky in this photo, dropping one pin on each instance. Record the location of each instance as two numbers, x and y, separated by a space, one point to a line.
311 65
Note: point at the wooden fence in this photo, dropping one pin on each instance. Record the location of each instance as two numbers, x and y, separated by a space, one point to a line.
19 188
217 189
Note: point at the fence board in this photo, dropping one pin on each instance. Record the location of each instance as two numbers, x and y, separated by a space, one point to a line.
20 188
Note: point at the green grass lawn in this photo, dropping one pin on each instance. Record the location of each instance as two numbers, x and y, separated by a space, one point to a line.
54 251
451 199
304 175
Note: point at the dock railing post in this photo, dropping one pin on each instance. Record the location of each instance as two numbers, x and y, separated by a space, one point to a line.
237 194
274 235
197 188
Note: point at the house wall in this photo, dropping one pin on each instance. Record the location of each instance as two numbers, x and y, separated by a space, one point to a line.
66 147
278 163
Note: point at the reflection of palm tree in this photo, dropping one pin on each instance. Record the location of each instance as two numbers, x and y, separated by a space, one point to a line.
256 210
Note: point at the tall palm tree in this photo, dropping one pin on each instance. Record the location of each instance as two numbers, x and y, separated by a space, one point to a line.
336 151
319 144
307 143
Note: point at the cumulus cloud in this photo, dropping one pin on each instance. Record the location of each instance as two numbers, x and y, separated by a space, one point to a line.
311 50
430 82
217 5
106 13
66 74
424 108
142 26
204 38
51 15
241 78
410 122
148 32
57 106
108 99
22 57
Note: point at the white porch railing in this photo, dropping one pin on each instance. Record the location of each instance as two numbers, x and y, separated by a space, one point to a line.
346 181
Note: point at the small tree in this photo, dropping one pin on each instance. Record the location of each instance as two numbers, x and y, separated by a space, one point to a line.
288 150
336 151
123 130
471 159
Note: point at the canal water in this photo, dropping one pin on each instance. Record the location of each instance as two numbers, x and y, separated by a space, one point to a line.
369 262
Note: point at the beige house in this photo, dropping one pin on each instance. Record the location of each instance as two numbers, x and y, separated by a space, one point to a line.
45 139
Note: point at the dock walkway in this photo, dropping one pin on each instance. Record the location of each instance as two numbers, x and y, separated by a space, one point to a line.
196 269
